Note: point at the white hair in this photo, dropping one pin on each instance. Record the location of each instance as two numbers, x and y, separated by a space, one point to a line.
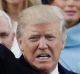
3 14
41 14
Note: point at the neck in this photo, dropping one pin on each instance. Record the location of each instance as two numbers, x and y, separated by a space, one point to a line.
46 71
14 9
71 24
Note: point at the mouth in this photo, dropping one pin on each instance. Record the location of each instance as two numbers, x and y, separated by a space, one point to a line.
70 12
43 57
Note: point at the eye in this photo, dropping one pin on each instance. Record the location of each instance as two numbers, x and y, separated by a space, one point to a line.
4 35
34 38
50 37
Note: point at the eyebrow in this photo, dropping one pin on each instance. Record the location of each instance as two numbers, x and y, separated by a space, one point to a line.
50 35
4 34
47 34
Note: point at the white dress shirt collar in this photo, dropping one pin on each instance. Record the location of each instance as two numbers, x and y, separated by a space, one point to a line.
55 70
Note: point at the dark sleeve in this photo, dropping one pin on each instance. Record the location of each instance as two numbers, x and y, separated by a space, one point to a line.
2 67
2 51
6 56
45 1
63 70
2 59
8 63
5 53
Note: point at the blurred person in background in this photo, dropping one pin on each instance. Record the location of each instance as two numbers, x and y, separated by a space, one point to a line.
70 57
8 63
6 40
13 8
6 31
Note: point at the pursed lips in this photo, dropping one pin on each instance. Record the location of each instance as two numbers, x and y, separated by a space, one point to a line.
70 12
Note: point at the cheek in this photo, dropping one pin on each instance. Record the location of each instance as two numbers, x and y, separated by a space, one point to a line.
78 5
79 10
59 4
29 51
57 50
7 43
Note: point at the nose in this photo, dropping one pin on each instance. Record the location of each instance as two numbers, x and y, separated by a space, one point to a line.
70 3
42 44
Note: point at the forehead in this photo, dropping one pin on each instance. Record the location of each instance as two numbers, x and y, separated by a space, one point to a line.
43 28
4 26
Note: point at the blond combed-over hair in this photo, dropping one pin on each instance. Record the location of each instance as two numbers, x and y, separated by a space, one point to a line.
40 14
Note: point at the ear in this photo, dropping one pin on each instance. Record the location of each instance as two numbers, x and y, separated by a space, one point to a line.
19 40
13 35
64 36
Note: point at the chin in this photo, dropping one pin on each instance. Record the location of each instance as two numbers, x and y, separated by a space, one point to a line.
72 18
46 68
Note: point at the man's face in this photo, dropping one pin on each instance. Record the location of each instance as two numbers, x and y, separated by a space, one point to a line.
41 45
71 8
6 36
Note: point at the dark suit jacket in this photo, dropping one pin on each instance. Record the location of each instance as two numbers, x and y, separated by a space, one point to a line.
27 66
62 70
45 1
8 62
10 65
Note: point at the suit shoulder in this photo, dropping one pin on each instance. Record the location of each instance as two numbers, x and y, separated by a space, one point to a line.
63 70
